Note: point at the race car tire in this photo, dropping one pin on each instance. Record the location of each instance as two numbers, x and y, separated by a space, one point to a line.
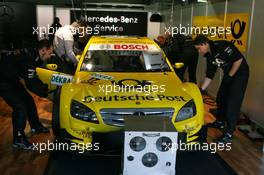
56 113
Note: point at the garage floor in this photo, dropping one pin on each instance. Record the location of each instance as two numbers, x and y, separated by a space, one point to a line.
202 163
245 154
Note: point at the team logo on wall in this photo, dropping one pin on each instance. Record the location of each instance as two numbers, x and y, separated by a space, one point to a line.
113 22
235 28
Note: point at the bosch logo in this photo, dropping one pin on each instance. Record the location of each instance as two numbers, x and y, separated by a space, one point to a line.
131 46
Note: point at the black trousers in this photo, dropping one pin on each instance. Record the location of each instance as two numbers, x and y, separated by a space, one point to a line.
23 107
230 97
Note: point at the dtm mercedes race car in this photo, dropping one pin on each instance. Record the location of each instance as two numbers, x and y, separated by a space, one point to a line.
120 77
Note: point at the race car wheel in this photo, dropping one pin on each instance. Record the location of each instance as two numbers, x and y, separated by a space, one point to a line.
56 113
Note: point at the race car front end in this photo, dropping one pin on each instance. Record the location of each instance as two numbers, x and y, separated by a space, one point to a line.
85 112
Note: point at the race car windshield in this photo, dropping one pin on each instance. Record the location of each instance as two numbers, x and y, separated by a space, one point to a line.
124 61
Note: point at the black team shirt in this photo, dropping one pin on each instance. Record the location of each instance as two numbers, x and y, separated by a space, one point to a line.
223 54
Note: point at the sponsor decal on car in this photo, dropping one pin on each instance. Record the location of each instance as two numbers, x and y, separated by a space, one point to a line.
58 79
124 46
131 47
158 97
101 76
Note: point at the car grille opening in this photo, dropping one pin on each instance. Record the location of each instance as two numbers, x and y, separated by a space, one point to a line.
115 117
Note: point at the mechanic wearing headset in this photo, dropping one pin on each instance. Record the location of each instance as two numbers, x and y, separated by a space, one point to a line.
15 66
229 99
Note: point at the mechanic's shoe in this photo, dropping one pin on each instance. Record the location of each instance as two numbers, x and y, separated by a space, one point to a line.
225 138
40 129
217 124
21 142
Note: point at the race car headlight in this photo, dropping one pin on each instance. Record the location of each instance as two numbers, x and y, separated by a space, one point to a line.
82 112
187 111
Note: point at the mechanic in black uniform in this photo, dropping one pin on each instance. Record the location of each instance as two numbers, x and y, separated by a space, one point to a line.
186 53
15 66
229 99
180 49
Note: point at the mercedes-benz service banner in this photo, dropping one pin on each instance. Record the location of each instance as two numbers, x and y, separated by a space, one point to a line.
113 22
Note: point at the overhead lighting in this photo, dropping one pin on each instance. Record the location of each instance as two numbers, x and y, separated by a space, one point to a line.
201 0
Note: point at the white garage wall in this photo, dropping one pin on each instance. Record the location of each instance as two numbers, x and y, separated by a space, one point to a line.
177 16
254 101
64 15
45 15
153 28
201 10
165 21
186 16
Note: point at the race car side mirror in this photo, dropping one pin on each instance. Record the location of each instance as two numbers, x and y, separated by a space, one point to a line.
52 66
178 65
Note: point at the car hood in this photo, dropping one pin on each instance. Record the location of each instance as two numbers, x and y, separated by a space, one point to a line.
131 90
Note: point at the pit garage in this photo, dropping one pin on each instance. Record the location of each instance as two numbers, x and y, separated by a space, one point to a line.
111 87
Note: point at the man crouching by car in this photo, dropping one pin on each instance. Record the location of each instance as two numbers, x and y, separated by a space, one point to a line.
15 66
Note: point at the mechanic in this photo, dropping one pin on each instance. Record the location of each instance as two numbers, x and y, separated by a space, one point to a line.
160 40
163 41
64 43
230 95
187 54
180 49
15 66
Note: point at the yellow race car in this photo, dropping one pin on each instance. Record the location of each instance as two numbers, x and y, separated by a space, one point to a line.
119 77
